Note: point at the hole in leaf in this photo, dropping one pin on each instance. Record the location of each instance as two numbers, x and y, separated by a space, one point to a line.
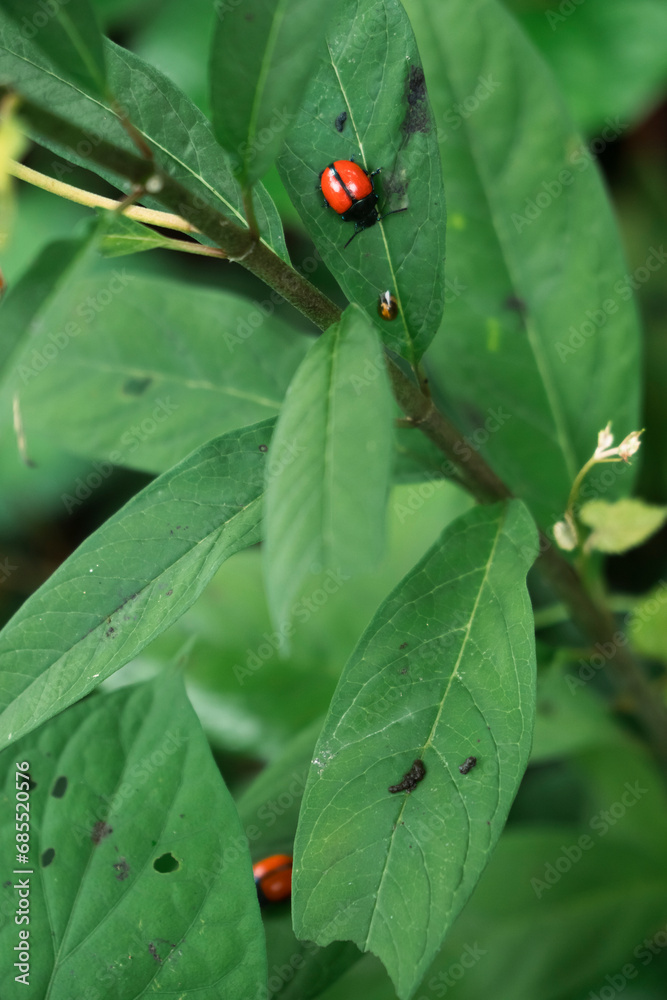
166 863
59 788
47 857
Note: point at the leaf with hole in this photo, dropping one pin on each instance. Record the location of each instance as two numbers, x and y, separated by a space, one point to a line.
134 887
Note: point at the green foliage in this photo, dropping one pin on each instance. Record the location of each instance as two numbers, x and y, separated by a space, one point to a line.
263 54
130 868
523 856
325 495
68 33
370 70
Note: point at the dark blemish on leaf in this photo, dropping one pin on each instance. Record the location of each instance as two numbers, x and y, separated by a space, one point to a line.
169 593
546 707
109 632
153 951
6 885
340 121
468 765
403 645
514 302
100 831
166 864
263 447
417 118
59 788
47 857
410 779
123 870
403 671
136 386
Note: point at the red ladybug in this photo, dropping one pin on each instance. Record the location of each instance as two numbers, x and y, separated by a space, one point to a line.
273 878
349 190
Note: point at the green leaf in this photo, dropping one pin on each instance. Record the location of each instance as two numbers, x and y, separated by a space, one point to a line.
552 919
36 290
619 526
205 363
134 888
540 347
370 70
610 58
648 624
130 579
445 671
330 464
180 136
264 52
68 33
126 236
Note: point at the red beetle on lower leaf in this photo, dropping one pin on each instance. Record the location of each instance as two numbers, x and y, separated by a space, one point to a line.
273 878
349 190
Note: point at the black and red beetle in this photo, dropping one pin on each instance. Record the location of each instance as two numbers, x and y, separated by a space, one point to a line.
350 191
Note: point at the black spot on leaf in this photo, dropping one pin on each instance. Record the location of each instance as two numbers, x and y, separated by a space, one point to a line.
136 386
47 857
60 787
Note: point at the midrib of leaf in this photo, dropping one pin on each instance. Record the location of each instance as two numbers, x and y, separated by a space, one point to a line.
210 537
168 153
408 339
560 426
276 21
327 472
429 739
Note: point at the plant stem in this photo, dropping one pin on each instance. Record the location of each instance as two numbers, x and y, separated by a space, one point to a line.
461 460
152 218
